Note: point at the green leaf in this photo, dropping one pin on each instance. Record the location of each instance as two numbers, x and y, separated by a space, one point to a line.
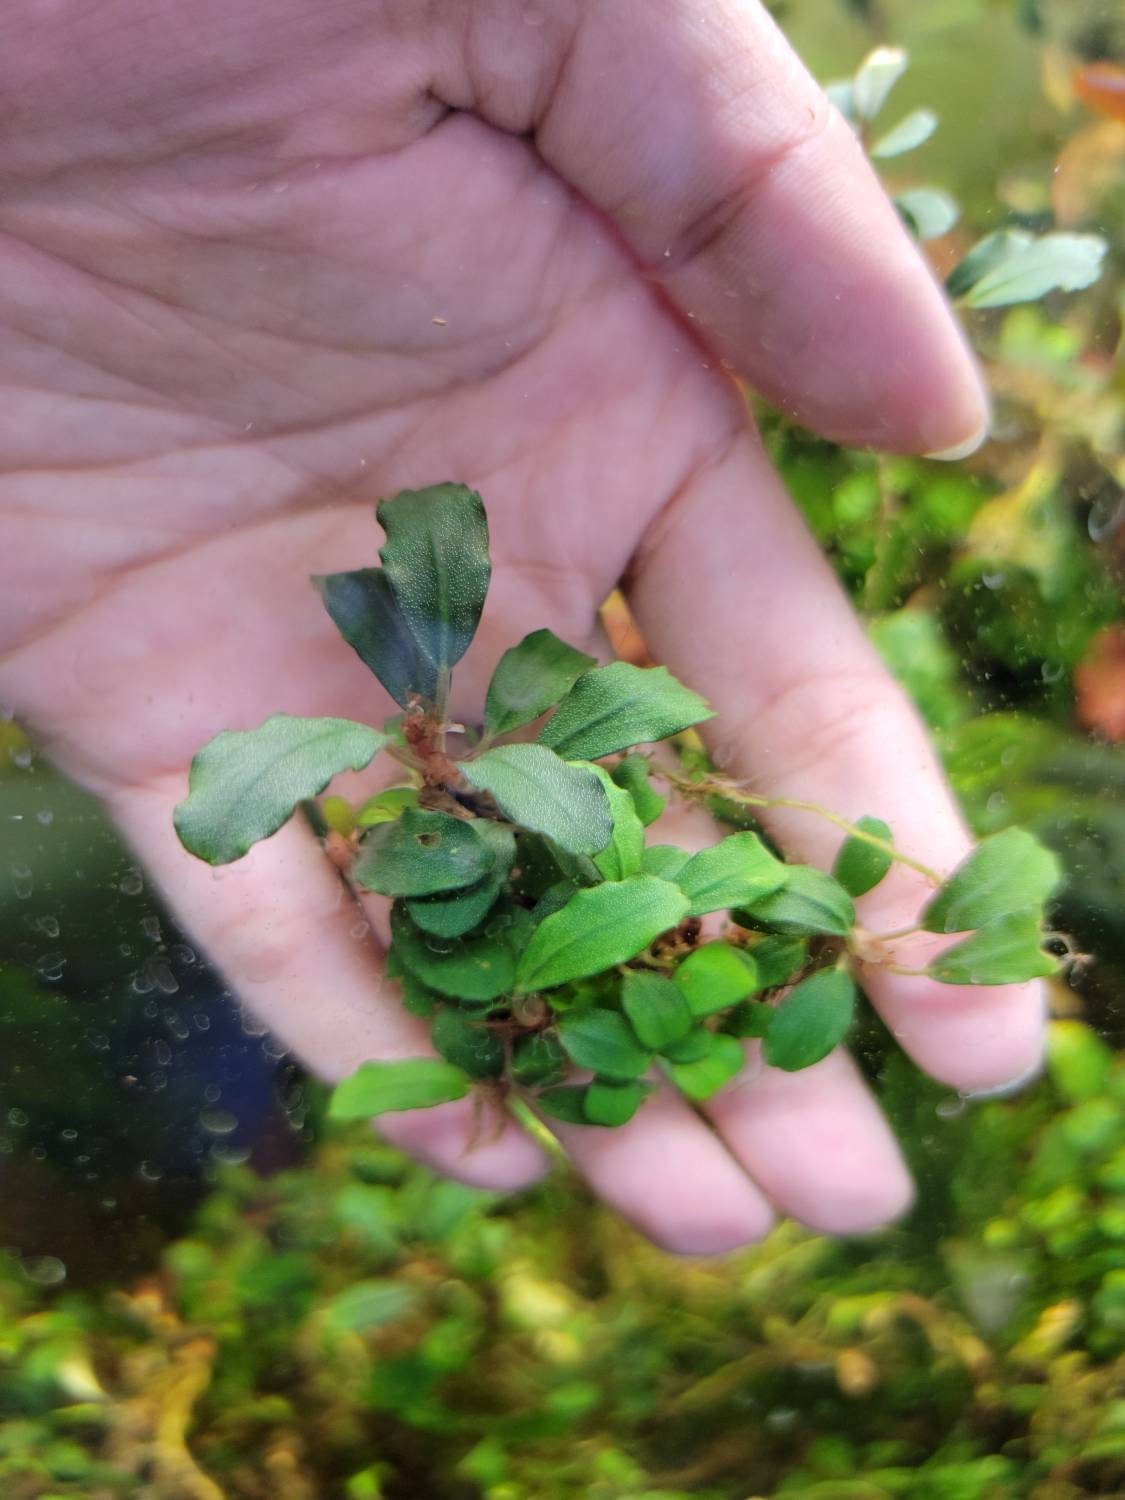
615 707
538 1060
422 854
1009 872
733 872
611 1103
690 1048
378 1088
476 968
814 1016
716 976
338 815
750 1019
875 77
567 1104
809 902
634 774
1056 262
907 135
860 866
467 1044
703 1078
603 1041
368 1304
599 927
436 561
529 679
622 855
777 959
985 255
664 860
245 784
842 95
1004 951
386 806
453 916
928 211
657 1009
533 787
364 610
417 998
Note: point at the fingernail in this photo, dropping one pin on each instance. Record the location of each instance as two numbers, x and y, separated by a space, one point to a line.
962 450
1011 1086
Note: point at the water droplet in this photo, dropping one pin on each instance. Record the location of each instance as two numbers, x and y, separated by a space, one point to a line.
1052 671
1107 514
46 816
437 944
109 1203
49 926
50 966
201 1021
179 1029
150 1010
157 1081
230 1155
949 1109
150 1171
132 883
992 580
212 1093
20 756
162 976
150 926
162 1053
142 984
996 803
17 1116
23 882
183 954
274 1049
250 1024
68 1135
45 1270
360 930
98 1040
218 1121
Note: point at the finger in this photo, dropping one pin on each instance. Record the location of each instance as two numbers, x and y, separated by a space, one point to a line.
667 1174
815 1142
284 932
806 710
698 131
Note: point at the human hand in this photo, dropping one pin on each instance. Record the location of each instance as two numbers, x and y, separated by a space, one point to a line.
263 265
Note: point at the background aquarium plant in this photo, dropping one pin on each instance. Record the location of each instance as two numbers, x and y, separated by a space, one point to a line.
211 1290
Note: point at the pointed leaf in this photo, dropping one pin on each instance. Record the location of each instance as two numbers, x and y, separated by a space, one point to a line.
538 1060
421 854
453 916
245 784
1006 950
477 968
664 860
377 1088
365 612
386 806
634 774
657 1009
1054 262
809 902
985 255
568 1104
733 872
777 959
436 561
875 77
860 866
611 1103
907 135
622 855
529 679
533 787
690 1048
616 707
603 1041
928 211
1009 872
812 1019
467 1044
716 976
599 927
749 1019
703 1078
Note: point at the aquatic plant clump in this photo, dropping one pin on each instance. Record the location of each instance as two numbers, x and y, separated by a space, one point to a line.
557 955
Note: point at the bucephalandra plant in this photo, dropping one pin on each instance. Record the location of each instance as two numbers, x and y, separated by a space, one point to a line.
532 925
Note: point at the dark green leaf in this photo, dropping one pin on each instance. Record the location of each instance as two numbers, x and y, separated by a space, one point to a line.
657 1009
733 872
386 806
985 255
475 968
365 612
533 787
245 784
860 866
538 1060
422 854
417 998
599 927
690 1048
723 1059
1004 951
664 860
716 976
750 1019
529 679
1053 262
1009 872
814 1016
567 1104
604 1042
467 1044
622 855
634 774
436 561
777 959
453 916
615 707
554 899
809 902
610 1103
377 1088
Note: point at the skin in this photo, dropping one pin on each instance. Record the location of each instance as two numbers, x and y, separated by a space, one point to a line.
263 264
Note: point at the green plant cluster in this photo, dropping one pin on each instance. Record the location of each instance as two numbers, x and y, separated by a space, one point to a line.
359 1329
532 926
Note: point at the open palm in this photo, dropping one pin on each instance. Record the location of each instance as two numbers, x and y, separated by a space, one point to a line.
263 265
